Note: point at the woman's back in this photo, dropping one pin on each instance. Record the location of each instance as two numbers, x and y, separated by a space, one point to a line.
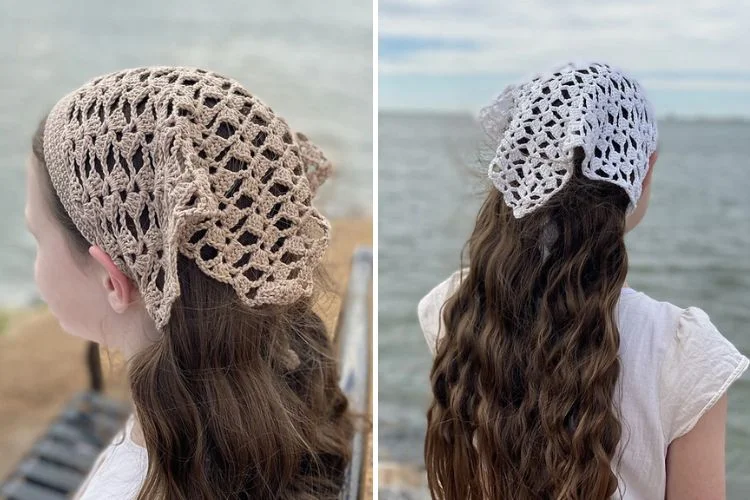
552 378
675 366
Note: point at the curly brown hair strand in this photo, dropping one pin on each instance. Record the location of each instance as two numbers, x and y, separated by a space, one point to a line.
526 370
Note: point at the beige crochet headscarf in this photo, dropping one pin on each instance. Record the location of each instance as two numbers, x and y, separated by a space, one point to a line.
149 162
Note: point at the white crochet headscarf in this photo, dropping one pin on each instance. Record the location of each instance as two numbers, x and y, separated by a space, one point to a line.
539 123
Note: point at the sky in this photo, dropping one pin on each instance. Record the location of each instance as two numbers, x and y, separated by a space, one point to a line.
456 55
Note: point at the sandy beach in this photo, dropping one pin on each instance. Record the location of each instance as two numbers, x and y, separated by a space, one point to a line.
41 367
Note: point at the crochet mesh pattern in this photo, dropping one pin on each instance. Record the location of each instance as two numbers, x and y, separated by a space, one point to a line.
149 162
539 123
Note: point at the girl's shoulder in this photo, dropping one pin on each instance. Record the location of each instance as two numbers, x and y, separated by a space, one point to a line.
119 471
429 309
693 362
697 365
685 334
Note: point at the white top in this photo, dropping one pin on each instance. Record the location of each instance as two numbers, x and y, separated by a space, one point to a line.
118 472
675 365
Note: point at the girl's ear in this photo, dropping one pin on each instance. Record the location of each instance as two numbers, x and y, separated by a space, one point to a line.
121 292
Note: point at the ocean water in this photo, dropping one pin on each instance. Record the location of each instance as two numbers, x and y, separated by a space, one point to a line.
312 64
692 248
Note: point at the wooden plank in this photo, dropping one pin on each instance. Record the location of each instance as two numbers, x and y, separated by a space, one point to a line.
47 474
19 490
79 458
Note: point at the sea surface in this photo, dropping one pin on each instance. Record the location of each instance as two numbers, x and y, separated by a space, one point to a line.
692 248
310 63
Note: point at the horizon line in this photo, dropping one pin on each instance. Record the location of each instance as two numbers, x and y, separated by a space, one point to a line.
664 117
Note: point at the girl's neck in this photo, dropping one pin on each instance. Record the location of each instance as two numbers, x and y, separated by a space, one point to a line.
136 433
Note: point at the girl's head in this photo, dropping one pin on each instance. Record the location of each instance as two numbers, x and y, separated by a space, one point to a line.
524 380
174 221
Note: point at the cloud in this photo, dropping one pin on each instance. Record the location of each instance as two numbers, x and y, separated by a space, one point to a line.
520 36
688 46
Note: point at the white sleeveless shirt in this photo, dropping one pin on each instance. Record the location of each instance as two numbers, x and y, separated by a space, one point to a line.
675 365
119 471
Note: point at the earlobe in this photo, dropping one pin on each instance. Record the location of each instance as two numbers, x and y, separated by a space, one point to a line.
120 290
118 295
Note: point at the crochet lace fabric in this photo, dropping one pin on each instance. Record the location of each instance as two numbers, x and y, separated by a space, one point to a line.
152 162
540 122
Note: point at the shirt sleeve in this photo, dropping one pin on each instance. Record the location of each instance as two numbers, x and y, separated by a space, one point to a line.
429 309
699 366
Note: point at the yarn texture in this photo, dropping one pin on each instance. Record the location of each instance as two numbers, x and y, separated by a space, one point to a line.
540 122
152 162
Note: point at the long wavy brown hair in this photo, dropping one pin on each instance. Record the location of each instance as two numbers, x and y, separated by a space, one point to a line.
222 414
525 375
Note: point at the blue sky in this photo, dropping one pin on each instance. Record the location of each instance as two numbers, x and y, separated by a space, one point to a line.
456 55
